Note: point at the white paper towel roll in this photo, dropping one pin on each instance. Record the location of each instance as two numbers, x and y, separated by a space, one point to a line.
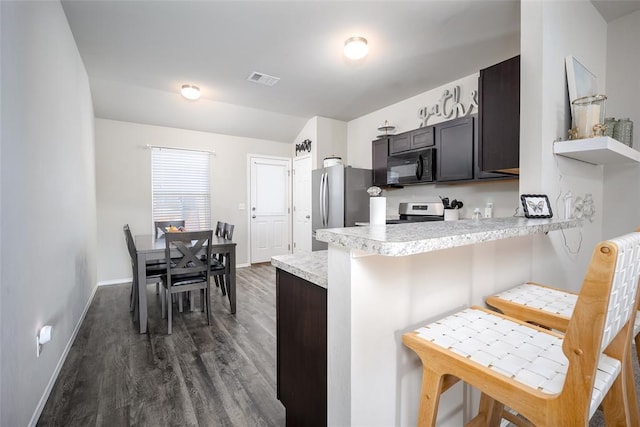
377 210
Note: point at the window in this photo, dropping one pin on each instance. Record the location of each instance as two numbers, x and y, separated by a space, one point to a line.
180 187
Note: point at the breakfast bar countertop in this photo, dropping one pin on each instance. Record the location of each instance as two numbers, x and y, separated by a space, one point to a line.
419 237
310 266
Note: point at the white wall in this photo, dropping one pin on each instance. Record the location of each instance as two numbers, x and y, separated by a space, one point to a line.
623 92
332 140
310 132
328 138
404 115
546 40
48 263
123 183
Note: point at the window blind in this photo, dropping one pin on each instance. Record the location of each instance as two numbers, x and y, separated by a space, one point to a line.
180 187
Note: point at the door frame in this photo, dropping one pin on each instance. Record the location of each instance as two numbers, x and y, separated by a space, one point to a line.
293 179
250 157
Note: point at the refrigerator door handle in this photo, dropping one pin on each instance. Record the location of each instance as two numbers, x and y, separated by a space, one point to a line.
325 202
321 196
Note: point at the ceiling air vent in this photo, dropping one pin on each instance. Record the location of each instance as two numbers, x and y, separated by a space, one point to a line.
263 79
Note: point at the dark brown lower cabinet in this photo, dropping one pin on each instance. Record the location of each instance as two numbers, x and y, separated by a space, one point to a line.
301 310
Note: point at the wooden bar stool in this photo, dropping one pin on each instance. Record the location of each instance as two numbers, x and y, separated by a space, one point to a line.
549 378
544 305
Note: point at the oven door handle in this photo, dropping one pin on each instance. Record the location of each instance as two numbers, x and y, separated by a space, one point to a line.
419 167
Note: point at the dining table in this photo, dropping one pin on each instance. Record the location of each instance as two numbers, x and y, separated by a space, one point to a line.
150 248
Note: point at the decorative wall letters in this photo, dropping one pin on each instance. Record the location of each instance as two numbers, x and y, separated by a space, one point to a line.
303 146
449 106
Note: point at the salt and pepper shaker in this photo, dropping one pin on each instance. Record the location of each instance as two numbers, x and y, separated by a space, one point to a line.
488 210
477 214
568 205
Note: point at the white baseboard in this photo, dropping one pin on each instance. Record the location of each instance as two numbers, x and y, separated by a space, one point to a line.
63 358
243 265
114 281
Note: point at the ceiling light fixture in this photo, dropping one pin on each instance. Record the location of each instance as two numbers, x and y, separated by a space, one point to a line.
356 48
191 92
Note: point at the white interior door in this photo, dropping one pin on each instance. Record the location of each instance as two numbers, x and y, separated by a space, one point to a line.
269 214
302 204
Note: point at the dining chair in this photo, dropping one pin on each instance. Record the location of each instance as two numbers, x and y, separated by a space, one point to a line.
153 271
187 271
220 268
549 378
160 227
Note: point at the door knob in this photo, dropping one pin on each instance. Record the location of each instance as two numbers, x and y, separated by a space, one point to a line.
308 216
253 216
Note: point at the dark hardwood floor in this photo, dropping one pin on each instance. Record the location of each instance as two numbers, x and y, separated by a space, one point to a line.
218 375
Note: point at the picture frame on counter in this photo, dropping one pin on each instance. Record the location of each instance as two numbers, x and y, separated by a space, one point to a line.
536 206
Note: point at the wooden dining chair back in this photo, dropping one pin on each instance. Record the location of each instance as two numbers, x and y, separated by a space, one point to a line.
228 231
188 270
131 248
220 268
160 227
219 229
217 261
549 378
153 272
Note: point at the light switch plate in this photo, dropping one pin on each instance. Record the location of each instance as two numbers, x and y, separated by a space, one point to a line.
242 206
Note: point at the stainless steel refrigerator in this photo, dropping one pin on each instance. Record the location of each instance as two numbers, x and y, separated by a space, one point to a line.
339 199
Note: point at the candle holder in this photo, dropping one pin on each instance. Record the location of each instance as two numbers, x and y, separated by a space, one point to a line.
588 116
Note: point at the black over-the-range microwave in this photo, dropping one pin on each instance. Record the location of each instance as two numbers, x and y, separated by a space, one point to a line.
411 167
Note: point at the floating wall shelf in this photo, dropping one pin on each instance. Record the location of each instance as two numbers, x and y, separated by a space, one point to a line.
601 150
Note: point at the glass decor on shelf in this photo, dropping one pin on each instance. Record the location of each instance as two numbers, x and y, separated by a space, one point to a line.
588 117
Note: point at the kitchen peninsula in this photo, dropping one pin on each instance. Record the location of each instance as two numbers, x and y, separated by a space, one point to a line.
383 281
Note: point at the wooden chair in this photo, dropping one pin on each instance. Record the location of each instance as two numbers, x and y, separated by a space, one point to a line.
160 227
544 305
220 265
154 271
187 272
549 378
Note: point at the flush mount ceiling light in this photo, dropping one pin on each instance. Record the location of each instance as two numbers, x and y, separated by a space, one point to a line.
191 92
356 48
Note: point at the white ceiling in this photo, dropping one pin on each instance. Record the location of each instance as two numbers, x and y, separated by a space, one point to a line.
138 53
614 9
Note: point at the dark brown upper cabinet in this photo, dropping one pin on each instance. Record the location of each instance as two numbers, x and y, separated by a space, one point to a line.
411 140
454 142
379 154
499 117
399 143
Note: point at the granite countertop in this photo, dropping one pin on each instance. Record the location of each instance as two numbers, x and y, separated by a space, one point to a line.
419 237
310 266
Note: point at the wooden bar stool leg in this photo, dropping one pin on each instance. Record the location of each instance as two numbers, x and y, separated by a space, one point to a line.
630 392
489 413
430 397
615 408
